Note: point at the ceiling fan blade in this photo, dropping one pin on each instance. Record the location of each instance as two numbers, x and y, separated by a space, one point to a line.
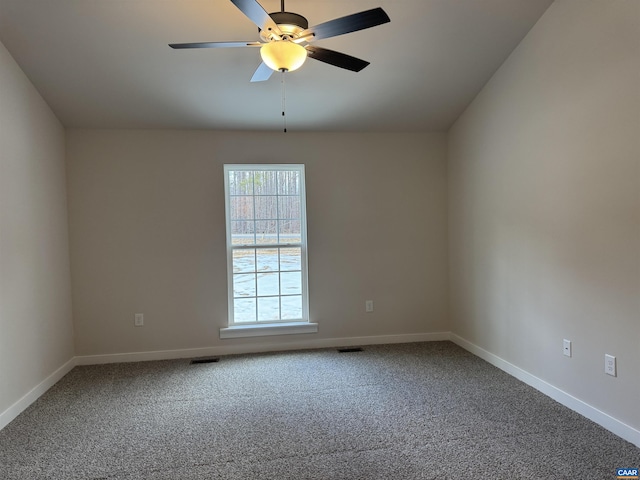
336 59
348 24
258 15
262 73
215 45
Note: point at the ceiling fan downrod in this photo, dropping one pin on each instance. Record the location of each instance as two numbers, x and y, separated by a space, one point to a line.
284 116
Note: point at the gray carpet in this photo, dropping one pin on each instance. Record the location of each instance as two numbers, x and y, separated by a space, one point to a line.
411 411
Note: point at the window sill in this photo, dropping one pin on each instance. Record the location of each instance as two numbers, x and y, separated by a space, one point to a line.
264 330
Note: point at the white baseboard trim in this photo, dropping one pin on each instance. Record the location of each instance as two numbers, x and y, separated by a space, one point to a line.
36 392
304 344
601 418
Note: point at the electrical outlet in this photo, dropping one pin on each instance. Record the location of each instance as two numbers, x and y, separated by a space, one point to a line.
139 320
610 365
566 347
368 306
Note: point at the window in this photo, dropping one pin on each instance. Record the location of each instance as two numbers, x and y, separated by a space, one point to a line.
266 245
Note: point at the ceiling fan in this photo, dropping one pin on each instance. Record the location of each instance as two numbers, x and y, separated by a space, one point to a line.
287 38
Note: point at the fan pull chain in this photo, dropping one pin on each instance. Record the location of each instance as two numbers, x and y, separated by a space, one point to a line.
284 117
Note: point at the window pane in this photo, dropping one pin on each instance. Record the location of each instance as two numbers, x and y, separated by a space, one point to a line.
266 232
240 182
244 310
242 232
291 307
290 259
291 283
289 207
268 284
244 285
267 260
291 239
289 231
289 227
288 183
266 183
266 207
241 208
268 308
244 261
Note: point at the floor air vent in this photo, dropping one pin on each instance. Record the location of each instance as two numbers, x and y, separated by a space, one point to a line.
196 361
350 349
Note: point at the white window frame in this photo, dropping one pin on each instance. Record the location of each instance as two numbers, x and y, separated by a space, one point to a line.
272 327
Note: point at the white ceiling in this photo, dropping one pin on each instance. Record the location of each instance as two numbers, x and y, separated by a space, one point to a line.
106 63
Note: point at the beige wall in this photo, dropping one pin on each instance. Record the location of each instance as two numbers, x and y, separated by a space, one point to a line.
36 336
148 234
544 195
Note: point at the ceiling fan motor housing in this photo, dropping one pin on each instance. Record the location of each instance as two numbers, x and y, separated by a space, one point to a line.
290 24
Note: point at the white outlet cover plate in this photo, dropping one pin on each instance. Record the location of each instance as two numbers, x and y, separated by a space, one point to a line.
610 365
139 320
566 348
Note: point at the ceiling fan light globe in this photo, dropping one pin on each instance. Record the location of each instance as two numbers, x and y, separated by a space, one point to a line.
283 55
